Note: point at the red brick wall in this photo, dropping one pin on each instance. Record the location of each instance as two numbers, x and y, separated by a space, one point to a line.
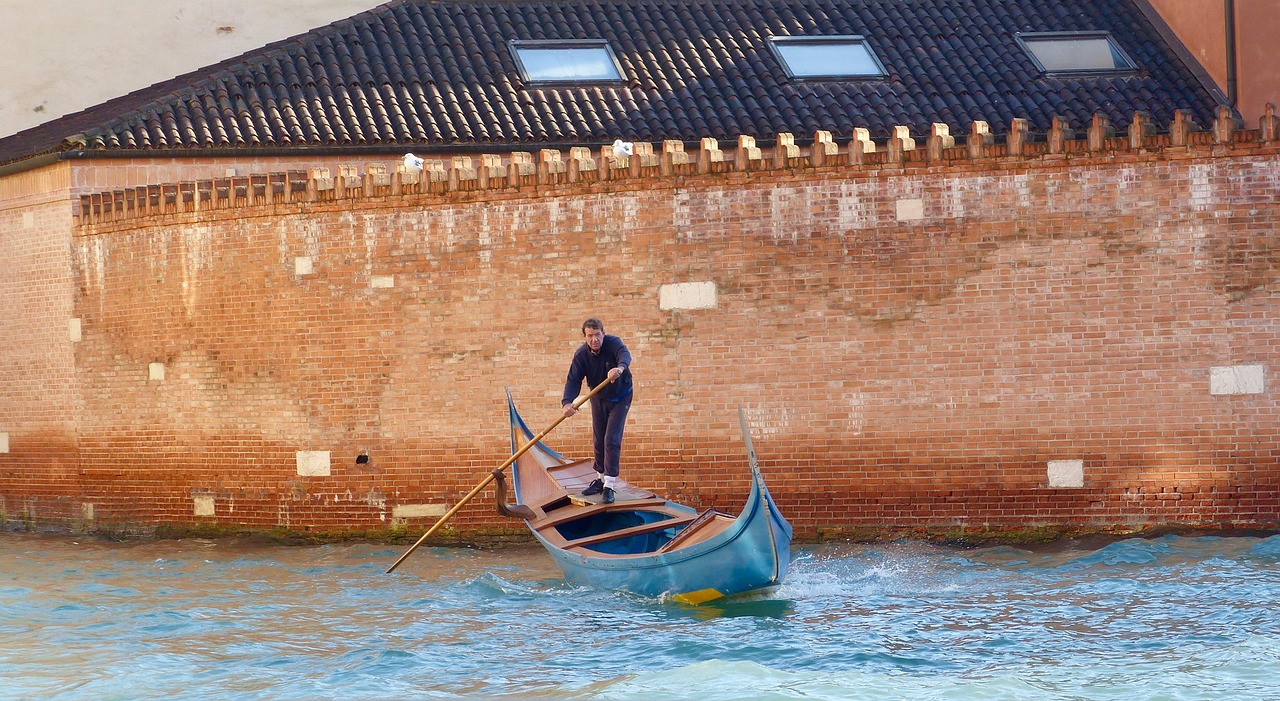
39 401
912 344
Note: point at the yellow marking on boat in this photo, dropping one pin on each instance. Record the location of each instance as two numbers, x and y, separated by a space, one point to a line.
702 596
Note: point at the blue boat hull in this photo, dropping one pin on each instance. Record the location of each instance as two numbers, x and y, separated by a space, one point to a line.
749 553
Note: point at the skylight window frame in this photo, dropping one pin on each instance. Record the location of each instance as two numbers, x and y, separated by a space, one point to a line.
858 39
1025 39
516 45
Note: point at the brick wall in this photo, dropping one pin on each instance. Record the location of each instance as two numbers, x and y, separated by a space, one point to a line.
1084 336
39 409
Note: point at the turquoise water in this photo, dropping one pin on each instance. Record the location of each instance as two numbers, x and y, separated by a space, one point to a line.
1170 618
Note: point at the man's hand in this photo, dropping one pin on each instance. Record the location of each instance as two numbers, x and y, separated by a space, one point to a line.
614 374
569 410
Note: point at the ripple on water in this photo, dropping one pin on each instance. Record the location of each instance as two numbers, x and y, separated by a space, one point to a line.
1187 618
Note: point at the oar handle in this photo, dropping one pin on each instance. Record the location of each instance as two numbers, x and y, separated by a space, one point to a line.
489 478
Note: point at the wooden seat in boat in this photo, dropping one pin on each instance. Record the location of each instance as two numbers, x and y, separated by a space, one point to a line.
630 531
573 513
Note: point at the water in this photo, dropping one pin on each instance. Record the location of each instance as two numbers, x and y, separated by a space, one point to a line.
1170 618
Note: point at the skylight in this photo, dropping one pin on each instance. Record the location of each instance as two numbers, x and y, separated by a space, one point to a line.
566 61
1075 52
827 58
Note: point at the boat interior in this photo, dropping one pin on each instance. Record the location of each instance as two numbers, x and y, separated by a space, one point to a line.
638 523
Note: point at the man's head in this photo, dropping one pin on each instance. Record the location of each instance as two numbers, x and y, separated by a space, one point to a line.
593 331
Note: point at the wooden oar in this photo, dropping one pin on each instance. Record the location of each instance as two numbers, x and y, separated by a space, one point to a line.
485 483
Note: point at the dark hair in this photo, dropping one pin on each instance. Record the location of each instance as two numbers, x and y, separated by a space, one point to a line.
592 323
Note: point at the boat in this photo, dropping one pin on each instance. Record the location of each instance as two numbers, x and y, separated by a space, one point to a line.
642 543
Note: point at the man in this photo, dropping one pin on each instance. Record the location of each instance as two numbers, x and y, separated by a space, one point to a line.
602 358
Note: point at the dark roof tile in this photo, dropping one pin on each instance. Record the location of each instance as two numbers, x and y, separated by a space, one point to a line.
438 73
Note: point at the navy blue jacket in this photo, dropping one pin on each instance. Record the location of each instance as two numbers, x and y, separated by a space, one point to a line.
594 367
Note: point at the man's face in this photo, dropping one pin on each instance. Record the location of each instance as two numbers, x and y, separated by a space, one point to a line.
595 337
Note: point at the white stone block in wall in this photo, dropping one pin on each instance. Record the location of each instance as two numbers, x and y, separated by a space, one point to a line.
73 330
419 511
28 220
4 442
204 506
313 463
382 282
86 511
303 265
1236 379
687 295
155 371
1066 474
910 209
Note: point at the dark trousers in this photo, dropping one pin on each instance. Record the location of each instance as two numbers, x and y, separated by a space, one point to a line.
607 421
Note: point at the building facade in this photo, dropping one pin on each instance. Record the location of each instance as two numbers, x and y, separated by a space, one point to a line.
1076 332
234 304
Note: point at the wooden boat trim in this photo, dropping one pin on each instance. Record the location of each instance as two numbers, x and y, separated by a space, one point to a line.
541 505
685 537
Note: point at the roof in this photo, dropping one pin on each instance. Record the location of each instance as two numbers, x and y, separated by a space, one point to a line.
440 73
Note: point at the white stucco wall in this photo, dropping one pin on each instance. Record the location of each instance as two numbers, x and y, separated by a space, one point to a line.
61 57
